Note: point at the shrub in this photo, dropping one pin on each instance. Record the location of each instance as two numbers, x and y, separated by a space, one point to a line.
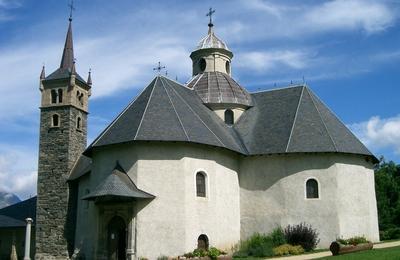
257 245
296 250
278 237
303 235
287 249
162 257
357 240
391 233
212 252
353 240
199 252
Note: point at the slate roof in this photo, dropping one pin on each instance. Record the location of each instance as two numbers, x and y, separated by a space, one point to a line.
15 215
82 166
168 111
294 120
117 185
287 120
8 222
217 87
67 64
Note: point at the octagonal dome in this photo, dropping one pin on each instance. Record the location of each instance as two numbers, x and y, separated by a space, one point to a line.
219 88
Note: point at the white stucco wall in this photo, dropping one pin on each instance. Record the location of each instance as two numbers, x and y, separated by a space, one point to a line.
269 191
272 191
171 223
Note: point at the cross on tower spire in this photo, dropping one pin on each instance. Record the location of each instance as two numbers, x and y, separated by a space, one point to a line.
159 68
72 8
210 13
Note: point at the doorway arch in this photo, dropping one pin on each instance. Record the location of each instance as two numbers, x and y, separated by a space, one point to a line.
117 237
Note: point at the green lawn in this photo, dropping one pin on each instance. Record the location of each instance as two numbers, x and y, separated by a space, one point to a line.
381 254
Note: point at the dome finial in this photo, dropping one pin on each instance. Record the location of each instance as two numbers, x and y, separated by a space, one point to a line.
210 24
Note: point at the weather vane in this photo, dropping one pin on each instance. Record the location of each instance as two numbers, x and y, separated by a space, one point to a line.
159 68
210 13
72 8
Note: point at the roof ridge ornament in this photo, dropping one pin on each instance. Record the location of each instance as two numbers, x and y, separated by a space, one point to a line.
72 8
159 68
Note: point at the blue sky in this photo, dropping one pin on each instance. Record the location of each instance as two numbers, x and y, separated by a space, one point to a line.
347 50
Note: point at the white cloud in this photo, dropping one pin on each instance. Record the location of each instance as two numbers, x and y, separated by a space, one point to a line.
18 172
379 133
266 60
5 6
284 19
371 16
386 56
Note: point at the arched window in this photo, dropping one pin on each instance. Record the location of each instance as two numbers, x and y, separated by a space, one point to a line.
202 64
227 67
229 119
60 95
53 96
55 120
200 184
81 99
79 122
312 189
202 242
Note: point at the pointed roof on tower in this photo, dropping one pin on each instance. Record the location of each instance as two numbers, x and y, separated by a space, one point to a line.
67 64
67 60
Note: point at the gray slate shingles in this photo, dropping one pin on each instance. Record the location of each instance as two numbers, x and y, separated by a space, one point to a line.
265 128
288 120
15 215
117 185
344 139
167 111
8 222
309 133
217 87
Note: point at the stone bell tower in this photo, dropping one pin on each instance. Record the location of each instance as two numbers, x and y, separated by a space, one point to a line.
63 132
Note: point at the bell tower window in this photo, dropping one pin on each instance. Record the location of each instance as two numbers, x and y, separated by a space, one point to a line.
53 96
229 117
55 120
60 96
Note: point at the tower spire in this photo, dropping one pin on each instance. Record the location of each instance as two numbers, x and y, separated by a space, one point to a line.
67 60
42 73
89 80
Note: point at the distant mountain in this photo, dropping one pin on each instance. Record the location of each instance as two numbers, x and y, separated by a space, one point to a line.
7 199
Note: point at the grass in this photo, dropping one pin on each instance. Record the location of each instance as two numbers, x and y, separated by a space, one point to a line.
384 253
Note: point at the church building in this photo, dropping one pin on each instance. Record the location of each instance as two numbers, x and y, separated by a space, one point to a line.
206 160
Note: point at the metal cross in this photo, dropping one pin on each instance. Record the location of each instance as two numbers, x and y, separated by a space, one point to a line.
159 68
72 8
210 13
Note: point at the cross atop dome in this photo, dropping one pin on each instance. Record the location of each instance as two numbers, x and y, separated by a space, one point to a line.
210 13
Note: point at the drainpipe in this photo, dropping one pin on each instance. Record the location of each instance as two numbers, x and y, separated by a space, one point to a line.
28 239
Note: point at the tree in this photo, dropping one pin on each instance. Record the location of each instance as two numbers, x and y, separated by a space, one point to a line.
387 187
